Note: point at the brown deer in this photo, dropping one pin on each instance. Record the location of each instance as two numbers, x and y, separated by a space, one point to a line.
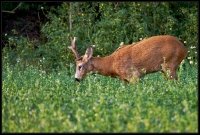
130 62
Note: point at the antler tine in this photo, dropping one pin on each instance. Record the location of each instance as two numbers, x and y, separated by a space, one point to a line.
74 48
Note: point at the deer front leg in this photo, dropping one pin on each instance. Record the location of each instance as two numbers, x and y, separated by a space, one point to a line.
131 77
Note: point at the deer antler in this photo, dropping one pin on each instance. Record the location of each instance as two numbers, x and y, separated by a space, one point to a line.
74 48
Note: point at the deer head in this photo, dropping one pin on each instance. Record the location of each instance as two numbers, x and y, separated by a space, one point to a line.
83 63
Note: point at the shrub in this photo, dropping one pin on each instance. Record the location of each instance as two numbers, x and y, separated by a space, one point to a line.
105 24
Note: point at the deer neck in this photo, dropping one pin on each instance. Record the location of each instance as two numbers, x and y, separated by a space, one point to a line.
102 65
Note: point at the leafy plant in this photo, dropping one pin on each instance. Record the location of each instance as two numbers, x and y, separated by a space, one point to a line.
36 101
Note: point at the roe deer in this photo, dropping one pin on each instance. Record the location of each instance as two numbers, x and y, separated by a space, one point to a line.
130 62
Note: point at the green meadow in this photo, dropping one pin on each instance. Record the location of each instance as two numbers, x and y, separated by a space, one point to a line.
36 101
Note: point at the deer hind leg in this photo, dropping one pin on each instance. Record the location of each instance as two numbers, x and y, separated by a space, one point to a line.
169 71
173 74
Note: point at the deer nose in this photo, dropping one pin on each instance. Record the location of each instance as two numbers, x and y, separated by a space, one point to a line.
76 79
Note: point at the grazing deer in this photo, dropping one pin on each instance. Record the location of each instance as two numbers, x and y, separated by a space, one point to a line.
130 62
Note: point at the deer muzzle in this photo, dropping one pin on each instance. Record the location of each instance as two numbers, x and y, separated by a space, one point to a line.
76 79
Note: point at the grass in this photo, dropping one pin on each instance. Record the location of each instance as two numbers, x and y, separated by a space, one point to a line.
34 101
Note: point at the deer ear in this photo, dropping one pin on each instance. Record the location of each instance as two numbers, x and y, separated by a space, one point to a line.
88 54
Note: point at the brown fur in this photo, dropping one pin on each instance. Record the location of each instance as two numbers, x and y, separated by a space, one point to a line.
130 62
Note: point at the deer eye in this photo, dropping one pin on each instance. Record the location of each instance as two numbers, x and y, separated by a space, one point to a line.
80 67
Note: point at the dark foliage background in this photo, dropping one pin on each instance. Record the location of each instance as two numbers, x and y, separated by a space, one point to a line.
38 33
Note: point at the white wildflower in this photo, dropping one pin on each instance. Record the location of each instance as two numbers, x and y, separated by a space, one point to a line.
44 72
18 60
184 110
122 43
185 42
58 81
191 62
183 62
